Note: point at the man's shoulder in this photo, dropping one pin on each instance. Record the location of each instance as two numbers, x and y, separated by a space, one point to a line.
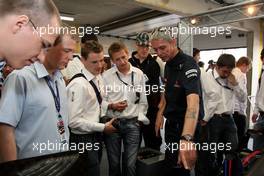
26 72
108 72
137 70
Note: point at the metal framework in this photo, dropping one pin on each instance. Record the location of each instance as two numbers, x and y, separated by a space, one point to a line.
228 14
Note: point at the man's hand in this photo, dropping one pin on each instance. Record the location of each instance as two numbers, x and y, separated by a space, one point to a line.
203 122
187 154
254 118
120 106
109 128
159 123
232 80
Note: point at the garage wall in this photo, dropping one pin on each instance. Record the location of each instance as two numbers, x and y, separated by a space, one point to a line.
107 41
235 39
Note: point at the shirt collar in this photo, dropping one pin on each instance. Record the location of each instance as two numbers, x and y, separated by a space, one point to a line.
89 76
178 59
215 74
131 69
42 71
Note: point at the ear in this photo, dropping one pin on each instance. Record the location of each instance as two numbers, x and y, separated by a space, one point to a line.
20 21
174 41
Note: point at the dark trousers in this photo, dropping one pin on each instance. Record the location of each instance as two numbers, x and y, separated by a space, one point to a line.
222 129
240 121
128 134
173 130
90 148
203 156
148 131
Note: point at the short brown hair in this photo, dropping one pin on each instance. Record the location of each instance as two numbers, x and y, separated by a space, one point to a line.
116 47
73 36
40 11
226 60
90 47
243 60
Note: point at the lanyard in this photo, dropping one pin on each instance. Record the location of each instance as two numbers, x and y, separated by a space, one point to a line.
60 123
55 97
132 79
224 86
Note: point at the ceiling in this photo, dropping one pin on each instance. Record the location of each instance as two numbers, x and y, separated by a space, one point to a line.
125 18
104 13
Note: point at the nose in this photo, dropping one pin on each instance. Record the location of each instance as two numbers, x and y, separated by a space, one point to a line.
70 56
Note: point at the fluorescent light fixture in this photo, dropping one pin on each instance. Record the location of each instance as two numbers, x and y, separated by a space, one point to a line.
65 18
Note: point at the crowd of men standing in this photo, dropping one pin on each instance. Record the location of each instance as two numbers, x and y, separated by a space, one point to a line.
37 106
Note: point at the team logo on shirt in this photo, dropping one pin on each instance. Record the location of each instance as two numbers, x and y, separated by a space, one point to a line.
191 73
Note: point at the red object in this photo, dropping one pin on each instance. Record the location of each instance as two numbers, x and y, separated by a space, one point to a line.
252 155
230 168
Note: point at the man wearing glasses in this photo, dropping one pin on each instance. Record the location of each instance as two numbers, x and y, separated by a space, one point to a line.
33 107
21 24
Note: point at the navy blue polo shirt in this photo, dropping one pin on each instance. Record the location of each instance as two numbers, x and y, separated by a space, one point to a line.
182 79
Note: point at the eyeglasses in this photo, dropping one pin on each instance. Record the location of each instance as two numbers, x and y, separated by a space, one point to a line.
45 44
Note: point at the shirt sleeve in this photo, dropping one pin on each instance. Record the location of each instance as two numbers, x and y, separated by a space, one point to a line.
105 102
76 98
211 99
241 90
12 100
143 104
190 78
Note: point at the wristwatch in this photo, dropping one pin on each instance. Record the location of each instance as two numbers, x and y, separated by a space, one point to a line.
187 137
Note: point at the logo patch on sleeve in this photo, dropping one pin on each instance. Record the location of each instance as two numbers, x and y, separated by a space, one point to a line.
191 73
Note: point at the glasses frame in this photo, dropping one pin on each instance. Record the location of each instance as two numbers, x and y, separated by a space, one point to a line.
44 43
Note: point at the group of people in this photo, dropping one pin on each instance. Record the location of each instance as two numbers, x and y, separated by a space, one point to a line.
117 106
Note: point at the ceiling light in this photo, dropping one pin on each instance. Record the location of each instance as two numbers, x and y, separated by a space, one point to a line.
65 18
193 21
250 10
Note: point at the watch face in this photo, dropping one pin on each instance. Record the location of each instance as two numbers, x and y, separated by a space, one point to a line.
187 137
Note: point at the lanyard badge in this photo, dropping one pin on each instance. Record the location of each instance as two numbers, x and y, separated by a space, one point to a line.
56 97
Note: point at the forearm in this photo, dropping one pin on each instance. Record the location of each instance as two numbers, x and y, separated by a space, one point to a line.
7 143
162 104
191 115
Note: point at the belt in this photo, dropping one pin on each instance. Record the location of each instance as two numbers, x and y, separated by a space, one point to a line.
223 115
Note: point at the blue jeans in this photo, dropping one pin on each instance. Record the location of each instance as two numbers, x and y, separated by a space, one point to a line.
129 134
